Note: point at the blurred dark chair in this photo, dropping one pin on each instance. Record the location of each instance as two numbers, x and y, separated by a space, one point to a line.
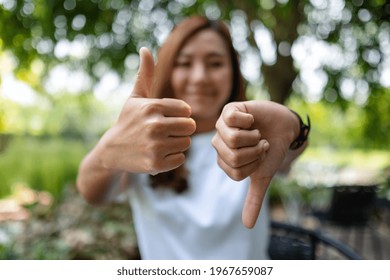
353 209
352 205
292 242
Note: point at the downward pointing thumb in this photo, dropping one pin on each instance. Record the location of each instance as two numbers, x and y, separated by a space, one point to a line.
145 75
254 200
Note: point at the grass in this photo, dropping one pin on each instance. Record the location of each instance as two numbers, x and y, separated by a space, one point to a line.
48 164
41 164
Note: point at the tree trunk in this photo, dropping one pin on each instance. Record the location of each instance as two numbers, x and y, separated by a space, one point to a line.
279 77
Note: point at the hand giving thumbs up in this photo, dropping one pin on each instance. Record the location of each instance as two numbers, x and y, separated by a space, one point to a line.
151 134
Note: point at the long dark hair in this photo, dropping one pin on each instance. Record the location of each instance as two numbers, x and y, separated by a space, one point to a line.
177 179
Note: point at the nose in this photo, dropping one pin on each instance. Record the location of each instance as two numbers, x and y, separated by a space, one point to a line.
199 73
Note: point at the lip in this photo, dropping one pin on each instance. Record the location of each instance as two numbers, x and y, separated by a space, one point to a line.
201 92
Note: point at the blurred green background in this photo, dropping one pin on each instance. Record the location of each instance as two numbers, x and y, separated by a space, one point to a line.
66 67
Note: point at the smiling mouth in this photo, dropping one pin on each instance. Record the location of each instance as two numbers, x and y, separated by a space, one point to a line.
201 97
201 93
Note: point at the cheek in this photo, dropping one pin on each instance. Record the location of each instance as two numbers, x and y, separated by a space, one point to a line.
225 86
177 82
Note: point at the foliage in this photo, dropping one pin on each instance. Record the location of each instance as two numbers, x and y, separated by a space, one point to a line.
358 34
71 230
64 115
351 127
97 35
376 123
42 164
102 36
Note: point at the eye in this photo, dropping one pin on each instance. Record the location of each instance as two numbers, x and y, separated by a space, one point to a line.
215 64
183 63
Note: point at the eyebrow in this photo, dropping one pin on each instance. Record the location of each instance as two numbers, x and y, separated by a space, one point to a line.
209 55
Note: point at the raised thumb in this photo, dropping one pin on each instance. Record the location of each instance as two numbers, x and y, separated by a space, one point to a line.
145 75
254 200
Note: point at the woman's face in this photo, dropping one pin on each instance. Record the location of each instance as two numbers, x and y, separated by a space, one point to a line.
202 76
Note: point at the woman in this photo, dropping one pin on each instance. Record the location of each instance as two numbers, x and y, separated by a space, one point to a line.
180 139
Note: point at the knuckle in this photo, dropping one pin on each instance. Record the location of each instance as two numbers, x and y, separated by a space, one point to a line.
237 175
233 138
155 126
234 159
182 145
230 117
157 148
151 107
153 164
215 141
180 159
218 124
149 166
153 151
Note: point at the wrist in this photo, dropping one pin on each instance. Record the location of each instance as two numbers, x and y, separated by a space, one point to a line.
102 156
302 131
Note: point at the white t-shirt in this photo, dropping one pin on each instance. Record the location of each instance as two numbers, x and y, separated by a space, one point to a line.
204 222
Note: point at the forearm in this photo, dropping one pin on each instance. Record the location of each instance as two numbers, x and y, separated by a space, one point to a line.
291 156
96 182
